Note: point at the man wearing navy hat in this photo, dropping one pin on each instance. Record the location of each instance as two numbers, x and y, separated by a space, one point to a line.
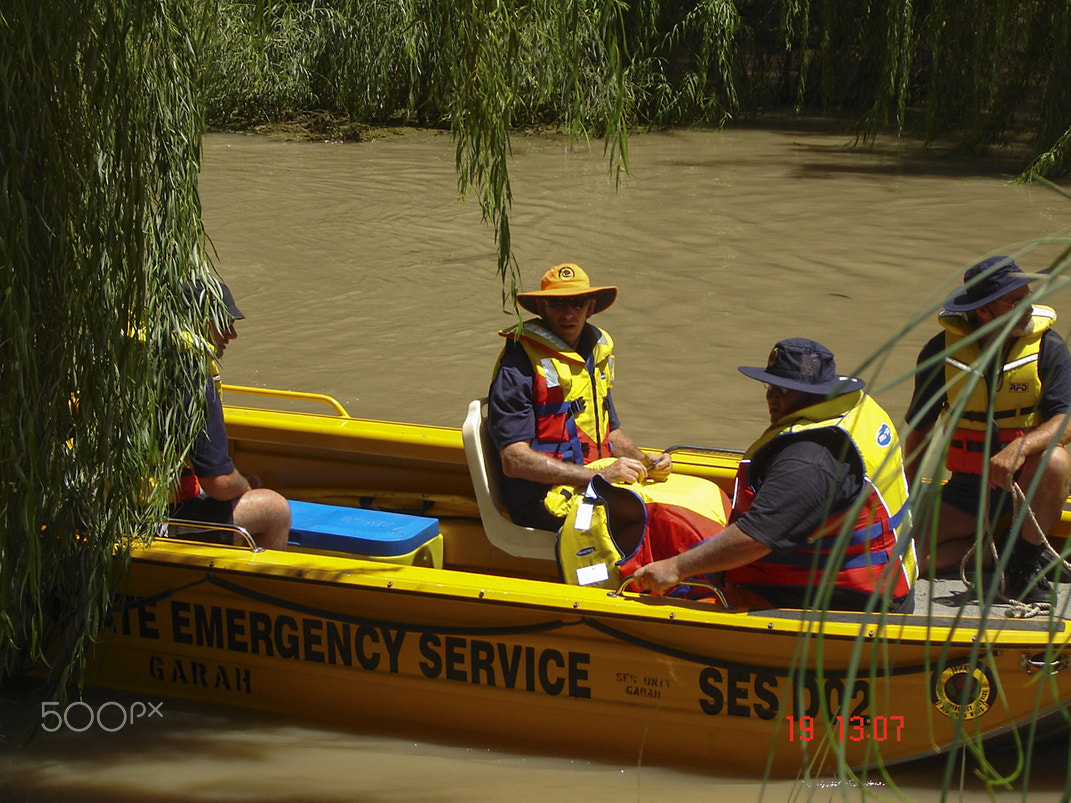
1002 377
819 497
212 490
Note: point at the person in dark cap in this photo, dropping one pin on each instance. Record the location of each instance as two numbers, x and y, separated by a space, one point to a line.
819 500
550 410
212 490
1002 378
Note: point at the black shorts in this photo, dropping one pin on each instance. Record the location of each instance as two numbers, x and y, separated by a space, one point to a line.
205 509
963 492
534 514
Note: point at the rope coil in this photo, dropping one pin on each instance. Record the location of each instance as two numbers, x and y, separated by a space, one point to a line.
1017 609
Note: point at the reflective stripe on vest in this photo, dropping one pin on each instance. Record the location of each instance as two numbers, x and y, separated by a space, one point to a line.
1014 399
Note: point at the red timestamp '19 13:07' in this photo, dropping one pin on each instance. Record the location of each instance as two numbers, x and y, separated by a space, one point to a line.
849 729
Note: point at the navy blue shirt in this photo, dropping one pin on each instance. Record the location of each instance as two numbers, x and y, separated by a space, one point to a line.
797 486
210 456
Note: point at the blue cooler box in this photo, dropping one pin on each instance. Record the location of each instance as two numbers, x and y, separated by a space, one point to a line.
369 534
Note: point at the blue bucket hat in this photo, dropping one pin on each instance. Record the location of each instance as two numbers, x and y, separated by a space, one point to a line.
985 282
806 366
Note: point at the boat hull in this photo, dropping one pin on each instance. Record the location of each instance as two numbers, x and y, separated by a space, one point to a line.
494 650
524 664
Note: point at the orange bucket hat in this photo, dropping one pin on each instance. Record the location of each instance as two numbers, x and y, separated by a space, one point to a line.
567 280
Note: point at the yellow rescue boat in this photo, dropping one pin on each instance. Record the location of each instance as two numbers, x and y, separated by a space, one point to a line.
418 608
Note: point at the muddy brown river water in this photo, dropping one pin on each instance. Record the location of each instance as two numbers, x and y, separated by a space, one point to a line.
364 277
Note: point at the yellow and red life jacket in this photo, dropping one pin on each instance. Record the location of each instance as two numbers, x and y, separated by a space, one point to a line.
868 558
570 394
983 428
610 531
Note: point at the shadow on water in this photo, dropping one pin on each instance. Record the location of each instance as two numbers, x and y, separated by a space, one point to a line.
815 153
197 752
194 752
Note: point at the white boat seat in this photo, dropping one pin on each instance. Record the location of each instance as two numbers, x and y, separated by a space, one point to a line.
486 471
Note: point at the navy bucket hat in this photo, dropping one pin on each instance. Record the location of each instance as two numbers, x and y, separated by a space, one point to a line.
985 282
806 366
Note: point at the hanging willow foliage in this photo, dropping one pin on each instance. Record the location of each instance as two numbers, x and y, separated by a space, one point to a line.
978 73
484 68
99 155
492 72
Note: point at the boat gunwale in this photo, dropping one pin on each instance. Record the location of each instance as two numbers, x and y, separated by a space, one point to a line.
920 629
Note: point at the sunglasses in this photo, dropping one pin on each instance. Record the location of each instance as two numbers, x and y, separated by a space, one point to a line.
576 302
1013 304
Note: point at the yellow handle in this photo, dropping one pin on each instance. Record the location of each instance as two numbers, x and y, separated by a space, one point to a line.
289 394
689 582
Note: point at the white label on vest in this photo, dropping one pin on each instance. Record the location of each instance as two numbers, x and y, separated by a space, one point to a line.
586 575
582 522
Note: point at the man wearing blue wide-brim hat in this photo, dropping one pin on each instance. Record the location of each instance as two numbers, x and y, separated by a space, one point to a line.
819 498
1001 377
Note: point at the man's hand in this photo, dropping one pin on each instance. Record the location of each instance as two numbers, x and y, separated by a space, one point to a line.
659 467
1005 464
624 470
657 577
654 467
728 549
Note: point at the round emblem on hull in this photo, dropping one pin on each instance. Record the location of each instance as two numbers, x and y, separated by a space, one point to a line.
963 691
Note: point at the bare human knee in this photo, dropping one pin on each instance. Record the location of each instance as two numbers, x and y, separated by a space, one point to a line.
941 544
1058 471
265 515
1048 497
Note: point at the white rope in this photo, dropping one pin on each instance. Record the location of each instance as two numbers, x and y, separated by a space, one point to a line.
1017 609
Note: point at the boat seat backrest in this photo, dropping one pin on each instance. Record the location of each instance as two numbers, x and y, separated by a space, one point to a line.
486 472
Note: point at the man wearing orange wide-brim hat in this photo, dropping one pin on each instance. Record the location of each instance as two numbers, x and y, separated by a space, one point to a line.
550 409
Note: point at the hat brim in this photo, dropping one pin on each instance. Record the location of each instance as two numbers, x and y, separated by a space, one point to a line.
842 384
228 302
604 297
960 301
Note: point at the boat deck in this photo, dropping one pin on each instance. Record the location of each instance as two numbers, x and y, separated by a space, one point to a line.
949 597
